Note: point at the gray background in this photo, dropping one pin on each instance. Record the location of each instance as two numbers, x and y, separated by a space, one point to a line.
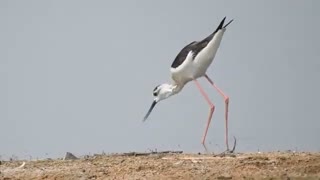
78 76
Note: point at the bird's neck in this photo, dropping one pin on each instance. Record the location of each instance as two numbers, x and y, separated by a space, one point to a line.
177 88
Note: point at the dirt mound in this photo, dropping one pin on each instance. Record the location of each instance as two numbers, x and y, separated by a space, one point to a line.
273 165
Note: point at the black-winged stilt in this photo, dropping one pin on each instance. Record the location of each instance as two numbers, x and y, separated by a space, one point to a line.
190 64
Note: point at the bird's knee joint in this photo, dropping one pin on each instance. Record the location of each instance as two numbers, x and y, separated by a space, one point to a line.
226 100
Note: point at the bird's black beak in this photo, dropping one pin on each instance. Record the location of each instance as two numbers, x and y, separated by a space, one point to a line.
151 107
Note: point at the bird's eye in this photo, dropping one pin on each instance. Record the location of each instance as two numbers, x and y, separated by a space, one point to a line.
155 93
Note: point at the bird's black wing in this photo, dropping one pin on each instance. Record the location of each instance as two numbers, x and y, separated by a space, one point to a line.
195 47
183 54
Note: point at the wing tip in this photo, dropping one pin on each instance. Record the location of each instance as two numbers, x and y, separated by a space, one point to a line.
228 23
221 23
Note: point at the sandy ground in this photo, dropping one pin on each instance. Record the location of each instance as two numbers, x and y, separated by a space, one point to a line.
272 165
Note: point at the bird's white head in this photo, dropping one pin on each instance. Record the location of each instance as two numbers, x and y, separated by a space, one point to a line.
161 92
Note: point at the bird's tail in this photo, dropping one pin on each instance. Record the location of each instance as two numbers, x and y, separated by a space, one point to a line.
221 24
228 23
209 38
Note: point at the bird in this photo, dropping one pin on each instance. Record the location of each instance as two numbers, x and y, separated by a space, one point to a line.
190 64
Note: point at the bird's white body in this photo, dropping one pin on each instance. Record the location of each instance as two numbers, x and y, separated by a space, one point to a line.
192 69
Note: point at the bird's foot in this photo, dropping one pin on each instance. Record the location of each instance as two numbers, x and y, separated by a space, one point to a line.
228 152
205 148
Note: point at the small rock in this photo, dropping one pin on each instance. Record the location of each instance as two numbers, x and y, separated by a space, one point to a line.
69 156
103 173
194 161
225 177
22 165
44 177
139 168
178 163
93 177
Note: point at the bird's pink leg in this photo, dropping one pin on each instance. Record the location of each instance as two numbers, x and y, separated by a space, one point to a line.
211 109
226 100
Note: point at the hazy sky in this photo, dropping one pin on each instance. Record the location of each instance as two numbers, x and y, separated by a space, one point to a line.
78 76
